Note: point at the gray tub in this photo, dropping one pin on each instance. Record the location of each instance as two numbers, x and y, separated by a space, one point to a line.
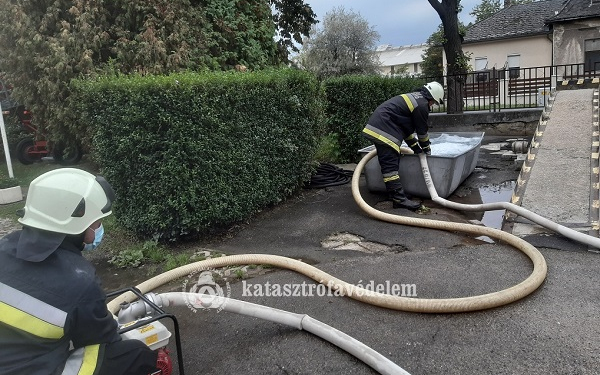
449 167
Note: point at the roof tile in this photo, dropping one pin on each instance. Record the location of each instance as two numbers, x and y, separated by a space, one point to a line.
518 20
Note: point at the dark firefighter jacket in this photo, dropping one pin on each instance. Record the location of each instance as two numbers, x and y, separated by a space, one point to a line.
47 306
397 119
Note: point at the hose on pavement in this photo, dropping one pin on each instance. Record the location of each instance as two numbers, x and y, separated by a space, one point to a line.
422 305
361 351
329 175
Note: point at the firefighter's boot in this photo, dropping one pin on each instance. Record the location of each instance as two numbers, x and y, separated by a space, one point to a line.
400 200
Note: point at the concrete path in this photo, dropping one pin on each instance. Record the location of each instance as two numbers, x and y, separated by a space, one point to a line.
559 179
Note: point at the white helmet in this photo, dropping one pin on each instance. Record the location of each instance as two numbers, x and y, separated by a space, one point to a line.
436 91
67 200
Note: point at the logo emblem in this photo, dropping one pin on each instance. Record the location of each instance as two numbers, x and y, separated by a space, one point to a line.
203 291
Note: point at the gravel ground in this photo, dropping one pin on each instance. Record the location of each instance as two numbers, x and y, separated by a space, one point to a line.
7 226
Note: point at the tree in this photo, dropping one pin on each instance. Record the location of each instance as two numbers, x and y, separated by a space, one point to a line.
344 45
47 43
433 61
485 9
293 20
458 62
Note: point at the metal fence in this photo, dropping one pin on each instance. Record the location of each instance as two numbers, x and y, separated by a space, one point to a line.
497 89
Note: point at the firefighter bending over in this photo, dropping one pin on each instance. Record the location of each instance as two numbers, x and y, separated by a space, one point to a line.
397 119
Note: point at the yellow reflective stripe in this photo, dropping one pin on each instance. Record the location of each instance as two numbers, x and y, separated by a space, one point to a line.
391 178
29 323
382 139
90 360
409 102
29 314
82 361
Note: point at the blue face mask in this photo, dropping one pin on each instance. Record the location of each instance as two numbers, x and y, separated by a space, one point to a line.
98 234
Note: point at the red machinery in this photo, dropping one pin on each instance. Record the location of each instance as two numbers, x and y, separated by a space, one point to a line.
35 147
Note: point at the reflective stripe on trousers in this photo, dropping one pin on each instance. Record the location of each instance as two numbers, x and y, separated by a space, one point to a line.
387 177
389 161
82 361
29 314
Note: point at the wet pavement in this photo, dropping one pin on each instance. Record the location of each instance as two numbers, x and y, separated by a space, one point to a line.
555 330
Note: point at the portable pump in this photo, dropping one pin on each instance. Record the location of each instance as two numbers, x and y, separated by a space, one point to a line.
140 320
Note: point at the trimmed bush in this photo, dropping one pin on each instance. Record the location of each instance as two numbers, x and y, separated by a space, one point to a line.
191 152
350 101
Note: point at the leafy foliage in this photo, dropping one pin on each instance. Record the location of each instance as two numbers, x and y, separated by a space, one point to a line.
485 9
46 44
433 61
187 153
350 102
344 45
293 19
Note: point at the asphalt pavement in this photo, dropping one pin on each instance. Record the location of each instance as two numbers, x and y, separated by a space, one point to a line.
554 330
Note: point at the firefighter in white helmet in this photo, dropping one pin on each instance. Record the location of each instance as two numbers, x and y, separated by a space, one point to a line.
53 314
398 119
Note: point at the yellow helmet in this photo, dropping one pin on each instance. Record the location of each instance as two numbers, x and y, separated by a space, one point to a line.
67 200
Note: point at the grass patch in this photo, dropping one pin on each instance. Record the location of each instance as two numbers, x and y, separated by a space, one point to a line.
240 274
174 261
27 173
128 258
130 253
329 149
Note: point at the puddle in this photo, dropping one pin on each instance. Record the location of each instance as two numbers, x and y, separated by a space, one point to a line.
490 194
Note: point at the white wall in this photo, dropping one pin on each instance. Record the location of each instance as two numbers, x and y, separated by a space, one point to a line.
533 51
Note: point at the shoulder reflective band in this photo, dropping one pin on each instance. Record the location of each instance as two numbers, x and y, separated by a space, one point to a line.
410 101
22 311
82 361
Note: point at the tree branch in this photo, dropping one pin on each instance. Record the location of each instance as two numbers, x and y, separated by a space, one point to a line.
436 5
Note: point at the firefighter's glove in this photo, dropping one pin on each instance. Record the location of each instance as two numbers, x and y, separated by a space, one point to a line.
416 149
425 144
412 142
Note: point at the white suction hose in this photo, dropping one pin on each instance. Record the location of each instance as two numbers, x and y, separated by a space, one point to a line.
560 229
447 305
382 364
299 321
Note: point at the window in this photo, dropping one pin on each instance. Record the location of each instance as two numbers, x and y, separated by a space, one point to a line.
513 63
480 63
592 55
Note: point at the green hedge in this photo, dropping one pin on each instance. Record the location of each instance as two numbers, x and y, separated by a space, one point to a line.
191 152
350 100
